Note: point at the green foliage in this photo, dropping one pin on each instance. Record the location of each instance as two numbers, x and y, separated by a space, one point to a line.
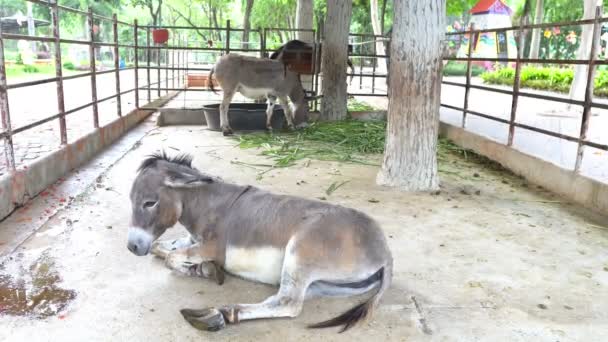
69 66
19 60
453 68
355 105
30 69
545 78
459 7
346 141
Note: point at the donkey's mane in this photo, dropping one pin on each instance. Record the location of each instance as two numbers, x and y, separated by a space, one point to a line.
182 159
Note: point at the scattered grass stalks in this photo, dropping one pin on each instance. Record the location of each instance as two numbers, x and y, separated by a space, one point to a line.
333 187
348 141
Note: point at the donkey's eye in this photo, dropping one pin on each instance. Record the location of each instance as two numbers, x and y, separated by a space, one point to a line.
149 204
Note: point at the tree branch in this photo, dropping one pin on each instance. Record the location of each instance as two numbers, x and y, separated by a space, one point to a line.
187 19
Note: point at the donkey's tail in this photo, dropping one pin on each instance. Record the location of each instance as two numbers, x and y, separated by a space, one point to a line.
352 70
362 311
210 80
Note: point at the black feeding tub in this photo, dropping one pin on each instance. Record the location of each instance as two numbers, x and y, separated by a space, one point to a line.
244 116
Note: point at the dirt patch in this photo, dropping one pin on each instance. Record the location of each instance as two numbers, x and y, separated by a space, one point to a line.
33 291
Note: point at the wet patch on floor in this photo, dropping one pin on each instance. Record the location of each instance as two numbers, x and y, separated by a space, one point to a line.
32 291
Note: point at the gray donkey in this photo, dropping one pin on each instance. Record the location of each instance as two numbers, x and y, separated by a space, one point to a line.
308 248
256 78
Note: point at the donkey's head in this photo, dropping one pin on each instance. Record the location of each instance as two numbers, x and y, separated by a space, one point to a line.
300 102
155 197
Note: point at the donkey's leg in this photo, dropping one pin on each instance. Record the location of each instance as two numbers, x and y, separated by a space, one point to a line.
288 111
224 122
197 260
287 302
269 111
162 248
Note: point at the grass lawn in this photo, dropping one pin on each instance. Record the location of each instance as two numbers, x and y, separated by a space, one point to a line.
21 72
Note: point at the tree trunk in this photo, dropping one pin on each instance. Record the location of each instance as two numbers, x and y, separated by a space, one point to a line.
536 33
410 156
216 24
304 16
333 60
377 31
577 89
247 24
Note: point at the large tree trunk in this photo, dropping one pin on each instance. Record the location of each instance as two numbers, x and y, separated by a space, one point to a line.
577 89
377 31
247 23
536 33
410 156
333 60
304 20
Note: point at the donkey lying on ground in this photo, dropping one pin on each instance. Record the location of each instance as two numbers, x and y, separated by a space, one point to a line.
307 248
255 78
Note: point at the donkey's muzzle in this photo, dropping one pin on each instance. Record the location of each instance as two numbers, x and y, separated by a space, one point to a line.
139 241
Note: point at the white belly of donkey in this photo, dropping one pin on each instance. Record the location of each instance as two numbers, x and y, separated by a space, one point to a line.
254 93
262 264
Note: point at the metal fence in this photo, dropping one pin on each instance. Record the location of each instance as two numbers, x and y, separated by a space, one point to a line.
8 131
165 68
587 104
157 69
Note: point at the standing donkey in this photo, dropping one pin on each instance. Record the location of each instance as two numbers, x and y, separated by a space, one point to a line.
255 78
307 248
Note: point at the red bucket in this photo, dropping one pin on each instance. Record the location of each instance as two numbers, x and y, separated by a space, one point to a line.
160 36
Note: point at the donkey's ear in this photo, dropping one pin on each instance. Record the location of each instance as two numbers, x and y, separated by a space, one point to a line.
182 181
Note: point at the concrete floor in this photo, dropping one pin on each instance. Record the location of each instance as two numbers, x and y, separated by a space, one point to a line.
511 263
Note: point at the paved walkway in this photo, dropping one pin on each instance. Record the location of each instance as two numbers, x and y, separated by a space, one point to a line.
30 104
548 115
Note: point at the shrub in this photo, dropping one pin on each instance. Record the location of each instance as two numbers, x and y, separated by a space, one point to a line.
545 78
19 60
30 69
69 66
460 69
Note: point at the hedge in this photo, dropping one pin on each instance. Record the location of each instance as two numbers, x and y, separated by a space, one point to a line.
545 78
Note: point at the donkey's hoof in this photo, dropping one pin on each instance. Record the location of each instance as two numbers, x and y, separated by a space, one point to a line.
230 313
226 131
302 125
209 319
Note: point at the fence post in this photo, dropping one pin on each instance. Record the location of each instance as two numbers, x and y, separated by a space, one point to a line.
116 63
179 63
516 81
373 65
92 68
9 154
227 36
467 86
158 80
136 64
58 72
167 68
588 90
173 64
148 56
